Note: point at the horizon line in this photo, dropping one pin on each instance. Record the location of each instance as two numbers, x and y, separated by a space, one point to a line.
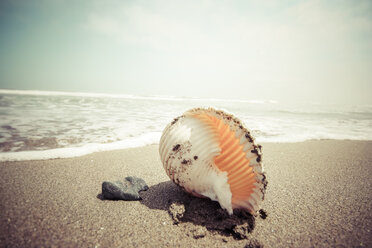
127 96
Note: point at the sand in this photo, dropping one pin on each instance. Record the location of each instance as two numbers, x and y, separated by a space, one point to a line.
319 194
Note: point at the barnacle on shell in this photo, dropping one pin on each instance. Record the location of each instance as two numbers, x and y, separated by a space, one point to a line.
209 153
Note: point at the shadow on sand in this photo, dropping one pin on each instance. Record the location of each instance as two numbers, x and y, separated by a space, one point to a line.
183 207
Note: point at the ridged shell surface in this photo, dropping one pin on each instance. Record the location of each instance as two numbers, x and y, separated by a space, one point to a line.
209 153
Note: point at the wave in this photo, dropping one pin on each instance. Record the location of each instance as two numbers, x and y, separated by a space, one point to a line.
69 152
148 139
51 124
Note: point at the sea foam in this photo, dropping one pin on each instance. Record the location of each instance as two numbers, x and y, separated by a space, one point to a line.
69 152
44 125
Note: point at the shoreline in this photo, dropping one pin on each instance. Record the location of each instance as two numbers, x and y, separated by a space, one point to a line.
82 151
318 195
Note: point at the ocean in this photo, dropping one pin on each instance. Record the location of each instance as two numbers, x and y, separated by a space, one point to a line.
45 125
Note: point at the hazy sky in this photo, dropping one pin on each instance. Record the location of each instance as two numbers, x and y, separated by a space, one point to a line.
318 51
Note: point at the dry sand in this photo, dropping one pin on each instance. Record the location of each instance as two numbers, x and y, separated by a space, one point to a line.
319 194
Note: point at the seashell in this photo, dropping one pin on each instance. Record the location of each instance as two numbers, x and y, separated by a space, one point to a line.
209 153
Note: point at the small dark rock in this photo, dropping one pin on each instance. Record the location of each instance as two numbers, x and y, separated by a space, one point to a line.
263 214
127 190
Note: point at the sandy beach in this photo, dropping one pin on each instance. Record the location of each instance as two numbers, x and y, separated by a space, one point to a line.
319 195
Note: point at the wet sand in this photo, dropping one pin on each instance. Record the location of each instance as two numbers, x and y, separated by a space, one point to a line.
319 194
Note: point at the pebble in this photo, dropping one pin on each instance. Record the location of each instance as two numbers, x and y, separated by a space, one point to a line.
263 214
128 190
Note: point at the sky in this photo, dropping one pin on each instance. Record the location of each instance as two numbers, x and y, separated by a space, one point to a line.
312 51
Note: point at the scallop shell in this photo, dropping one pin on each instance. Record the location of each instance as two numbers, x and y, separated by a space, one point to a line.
209 153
